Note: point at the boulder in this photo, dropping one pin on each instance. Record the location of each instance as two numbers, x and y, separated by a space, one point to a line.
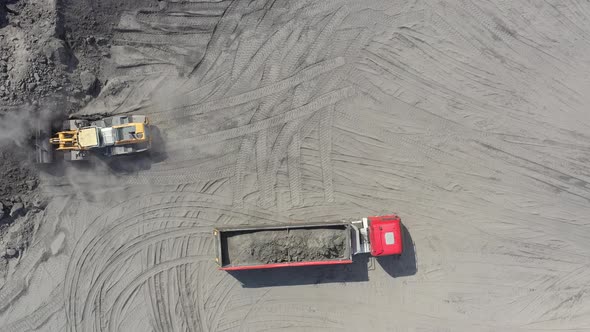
17 210
11 252
56 50
88 81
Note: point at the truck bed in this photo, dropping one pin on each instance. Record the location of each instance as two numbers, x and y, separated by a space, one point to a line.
284 245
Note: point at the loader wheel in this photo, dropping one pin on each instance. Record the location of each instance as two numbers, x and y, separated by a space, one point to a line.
74 124
88 117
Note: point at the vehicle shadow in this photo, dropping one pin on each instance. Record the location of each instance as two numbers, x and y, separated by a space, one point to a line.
128 164
396 266
404 264
158 151
304 275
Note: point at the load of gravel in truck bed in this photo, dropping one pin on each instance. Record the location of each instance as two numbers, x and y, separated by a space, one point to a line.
288 245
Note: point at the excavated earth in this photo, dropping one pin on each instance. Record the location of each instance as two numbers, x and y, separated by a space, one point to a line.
295 245
467 118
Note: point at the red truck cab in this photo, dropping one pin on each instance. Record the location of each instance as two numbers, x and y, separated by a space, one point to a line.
385 235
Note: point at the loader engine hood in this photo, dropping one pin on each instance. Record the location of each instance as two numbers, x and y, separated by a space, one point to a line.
126 134
130 133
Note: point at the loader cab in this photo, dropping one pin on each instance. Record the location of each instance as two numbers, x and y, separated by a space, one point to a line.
385 234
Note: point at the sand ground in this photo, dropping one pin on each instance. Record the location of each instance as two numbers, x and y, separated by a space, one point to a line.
467 118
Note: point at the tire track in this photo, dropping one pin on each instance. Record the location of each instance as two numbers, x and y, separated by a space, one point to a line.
490 138
151 243
185 292
78 259
256 62
246 44
186 40
585 12
98 300
302 94
320 42
219 309
302 134
495 150
18 282
246 150
555 178
509 38
198 8
158 178
295 55
171 179
375 130
431 88
266 22
188 163
302 76
161 21
294 169
270 75
280 149
325 142
223 30
149 292
287 53
134 56
200 301
307 109
440 23
477 74
247 47
566 21
264 166
40 316
202 92
158 287
261 156
288 66
403 19
325 123
121 301
313 8
174 302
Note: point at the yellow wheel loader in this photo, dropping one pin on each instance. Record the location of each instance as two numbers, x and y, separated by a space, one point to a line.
109 136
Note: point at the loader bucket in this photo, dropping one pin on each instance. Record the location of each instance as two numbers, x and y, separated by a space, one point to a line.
43 149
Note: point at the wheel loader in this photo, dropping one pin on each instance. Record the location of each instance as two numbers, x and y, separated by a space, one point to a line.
108 136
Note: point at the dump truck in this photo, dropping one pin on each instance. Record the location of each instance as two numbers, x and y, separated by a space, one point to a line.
107 136
305 244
